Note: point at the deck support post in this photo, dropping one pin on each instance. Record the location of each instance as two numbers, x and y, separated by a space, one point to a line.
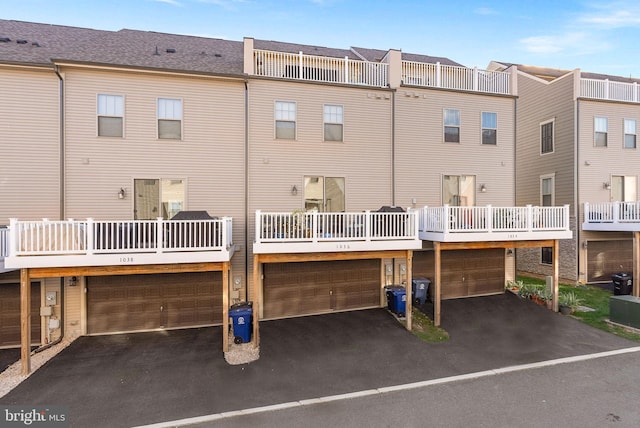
25 321
438 285
225 307
556 270
407 287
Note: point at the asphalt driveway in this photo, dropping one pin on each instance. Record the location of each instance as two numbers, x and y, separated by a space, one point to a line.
134 379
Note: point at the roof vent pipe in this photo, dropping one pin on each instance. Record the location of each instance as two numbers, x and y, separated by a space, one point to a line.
171 50
156 52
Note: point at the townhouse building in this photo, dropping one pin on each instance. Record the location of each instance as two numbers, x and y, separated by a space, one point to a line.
576 135
193 173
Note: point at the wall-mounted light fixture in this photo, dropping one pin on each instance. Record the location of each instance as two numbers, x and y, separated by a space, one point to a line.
73 281
294 190
585 244
121 193
509 251
606 185
483 188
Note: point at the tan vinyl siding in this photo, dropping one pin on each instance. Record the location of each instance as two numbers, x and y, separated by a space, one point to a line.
422 156
30 144
605 161
363 158
74 314
210 156
539 102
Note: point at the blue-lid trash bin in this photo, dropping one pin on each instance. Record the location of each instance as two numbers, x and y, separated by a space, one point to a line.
397 299
419 290
242 320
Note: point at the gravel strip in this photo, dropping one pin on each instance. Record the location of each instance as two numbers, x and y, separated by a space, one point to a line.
12 376
243 353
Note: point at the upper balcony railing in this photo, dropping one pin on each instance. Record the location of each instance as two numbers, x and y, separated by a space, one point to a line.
612 216
455 77
319 68
4 246
488 223
609 90
326 232
92 242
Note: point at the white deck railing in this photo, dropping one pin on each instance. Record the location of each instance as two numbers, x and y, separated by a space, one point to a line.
93 237
319 227
609 90
319 68
455 77
488 219
612 212
4 242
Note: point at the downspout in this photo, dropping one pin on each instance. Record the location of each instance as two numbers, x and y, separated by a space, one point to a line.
62 144
576 199
246 191
393 147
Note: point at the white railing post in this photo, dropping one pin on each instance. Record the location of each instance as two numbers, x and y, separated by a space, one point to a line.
258 227
489 218
224 239
300 60
367 225
346 69
446 218
314 226
587 215
635 92
606 89
159 230
438 75
529 218
475 78
566 217
13 237
616 212
90 237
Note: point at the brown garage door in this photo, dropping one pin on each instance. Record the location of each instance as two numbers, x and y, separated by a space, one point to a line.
293 289
464 272
143 302
604 258
10 314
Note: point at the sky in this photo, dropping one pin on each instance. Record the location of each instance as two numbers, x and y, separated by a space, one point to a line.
596 36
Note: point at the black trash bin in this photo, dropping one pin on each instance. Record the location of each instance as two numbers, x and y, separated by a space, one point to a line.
419 290
242 320
622 283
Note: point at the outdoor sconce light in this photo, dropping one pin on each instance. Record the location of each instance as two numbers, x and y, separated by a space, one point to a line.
73 281
585 244
509 251
121 193
483 188
606 186
294 190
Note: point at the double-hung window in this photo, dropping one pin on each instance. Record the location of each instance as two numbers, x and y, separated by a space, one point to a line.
333 123
169 118
629 133
451 126
285 120
489 128
601 125
110 115
546 137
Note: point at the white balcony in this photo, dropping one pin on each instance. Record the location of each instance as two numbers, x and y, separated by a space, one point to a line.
487 223
605 89
4 247
91 242
455 78
612 216
312 232
319 68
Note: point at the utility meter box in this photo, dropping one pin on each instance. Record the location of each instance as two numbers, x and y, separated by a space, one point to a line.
51 298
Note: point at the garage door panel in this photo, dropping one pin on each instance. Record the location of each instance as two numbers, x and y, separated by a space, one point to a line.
604 258
10 314
293 289
145 302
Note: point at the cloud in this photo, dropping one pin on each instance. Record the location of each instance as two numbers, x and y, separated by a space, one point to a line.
172 2
569 43
485 11
613 15
227 4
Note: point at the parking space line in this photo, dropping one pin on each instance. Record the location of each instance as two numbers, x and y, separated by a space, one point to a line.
388 389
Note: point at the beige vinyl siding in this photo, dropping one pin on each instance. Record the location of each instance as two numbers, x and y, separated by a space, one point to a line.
73 307
539 102
422 156
605 161
30 144
210 156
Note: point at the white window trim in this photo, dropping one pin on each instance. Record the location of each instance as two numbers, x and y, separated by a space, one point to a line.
624 133
596 131
331 123
158 118
275 120
482 128
553 187
98 115
459 126
553 136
